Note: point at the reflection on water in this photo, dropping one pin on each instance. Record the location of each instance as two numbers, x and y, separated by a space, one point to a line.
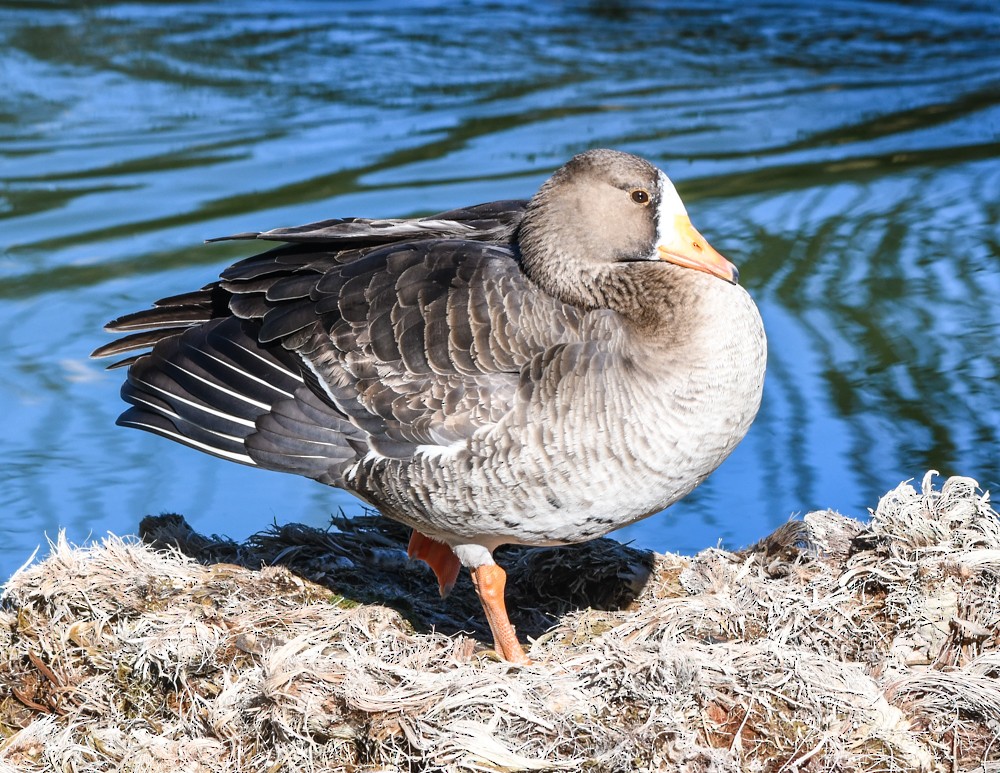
847 157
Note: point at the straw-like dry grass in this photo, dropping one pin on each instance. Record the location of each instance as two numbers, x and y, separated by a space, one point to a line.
831 645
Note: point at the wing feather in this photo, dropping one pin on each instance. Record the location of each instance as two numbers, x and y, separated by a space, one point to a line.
361 336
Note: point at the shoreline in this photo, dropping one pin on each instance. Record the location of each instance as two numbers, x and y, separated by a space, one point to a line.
830 645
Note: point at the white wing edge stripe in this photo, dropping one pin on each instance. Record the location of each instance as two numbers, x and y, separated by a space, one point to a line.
154 408
158 325
273 365
220 388
249 375
185 440
319 378
199 406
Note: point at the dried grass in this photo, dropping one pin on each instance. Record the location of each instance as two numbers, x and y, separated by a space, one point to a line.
830 646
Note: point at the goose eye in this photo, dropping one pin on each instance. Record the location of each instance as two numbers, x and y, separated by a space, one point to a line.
639 196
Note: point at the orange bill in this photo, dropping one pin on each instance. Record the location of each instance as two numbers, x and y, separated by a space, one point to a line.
689 249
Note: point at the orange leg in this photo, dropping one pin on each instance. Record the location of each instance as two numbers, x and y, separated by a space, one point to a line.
489 581
438 556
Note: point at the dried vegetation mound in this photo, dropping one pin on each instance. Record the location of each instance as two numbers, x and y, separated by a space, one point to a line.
832 645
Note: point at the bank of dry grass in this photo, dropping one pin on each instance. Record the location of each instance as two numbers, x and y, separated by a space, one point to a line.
830 646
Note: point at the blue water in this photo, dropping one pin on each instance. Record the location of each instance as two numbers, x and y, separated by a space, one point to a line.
847 157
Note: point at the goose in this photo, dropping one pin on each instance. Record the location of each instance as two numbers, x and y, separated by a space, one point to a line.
535 372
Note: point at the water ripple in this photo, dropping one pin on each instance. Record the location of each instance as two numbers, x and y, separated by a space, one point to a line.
845 154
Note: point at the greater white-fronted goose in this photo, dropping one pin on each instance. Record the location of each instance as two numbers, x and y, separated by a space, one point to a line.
536 372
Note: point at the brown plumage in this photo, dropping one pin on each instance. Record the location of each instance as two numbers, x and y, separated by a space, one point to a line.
536 372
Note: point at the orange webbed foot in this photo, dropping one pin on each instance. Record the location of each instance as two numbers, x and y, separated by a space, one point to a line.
439 557
490 581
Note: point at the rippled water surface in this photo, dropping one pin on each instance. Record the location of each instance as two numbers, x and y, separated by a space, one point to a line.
845 156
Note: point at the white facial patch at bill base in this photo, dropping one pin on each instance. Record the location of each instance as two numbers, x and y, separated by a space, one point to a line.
670 208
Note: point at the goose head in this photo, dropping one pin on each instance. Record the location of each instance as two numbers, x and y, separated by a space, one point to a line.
600 215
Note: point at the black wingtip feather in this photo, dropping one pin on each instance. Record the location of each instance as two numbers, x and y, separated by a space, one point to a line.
234 237
141 340
125 363
192 436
